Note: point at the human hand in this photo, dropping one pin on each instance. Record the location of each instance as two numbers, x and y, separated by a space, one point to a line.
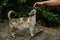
37 4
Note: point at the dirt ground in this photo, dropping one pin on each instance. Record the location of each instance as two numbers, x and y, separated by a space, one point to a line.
43 34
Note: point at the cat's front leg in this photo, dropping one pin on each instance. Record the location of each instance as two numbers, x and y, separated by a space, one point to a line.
32 31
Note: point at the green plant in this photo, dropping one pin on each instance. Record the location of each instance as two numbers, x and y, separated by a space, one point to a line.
47 16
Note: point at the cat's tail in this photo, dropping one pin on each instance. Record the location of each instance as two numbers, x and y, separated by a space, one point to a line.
9 14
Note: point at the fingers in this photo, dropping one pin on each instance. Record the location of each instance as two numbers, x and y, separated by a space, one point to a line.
35 5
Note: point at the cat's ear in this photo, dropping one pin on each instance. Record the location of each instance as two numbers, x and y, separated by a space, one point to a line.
33 11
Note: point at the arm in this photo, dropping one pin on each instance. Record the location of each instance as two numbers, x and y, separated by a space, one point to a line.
52 3
47 3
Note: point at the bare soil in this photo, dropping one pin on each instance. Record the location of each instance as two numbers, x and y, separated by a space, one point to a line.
43 34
